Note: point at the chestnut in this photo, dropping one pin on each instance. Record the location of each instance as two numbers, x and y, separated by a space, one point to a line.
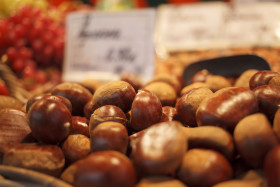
164 91
159 149
14 127
275 81
169 114
192 86
79 125
75 147
262 78
49 121
187 105
91 84
107 113
200 76
146 110
254 137
118 93
276 124
241 183
77 95
204 168
105 169
172 80
48 159
35 98
272 167
211 137
217 82
132 79
268 99
68 173
159 181
226 107
244 79
109 136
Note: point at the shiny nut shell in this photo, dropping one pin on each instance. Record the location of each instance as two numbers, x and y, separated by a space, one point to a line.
49 120
77 95
105 168
107 113
226 107
118 93
159 149
146 110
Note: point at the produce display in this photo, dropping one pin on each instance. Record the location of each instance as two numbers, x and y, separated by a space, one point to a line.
32 40
216 133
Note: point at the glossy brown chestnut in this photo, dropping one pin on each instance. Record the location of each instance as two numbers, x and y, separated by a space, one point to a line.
211 137
107 113
49 120
226 107
262 78
75 147
14 127
33 99
48 159
200 76
268 99
77 95
169 114
109 136
272 167
187 105
164 91
118 93
146 110
79 126
254 137
204 168
159 149
105 169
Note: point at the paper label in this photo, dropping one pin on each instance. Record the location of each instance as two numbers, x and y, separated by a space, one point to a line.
218 25
253 24
190 26
102 45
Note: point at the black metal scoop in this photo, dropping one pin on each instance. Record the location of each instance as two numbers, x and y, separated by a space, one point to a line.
226 66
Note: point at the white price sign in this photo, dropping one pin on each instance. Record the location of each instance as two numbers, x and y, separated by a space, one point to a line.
253 24
217 25
191 26
102 45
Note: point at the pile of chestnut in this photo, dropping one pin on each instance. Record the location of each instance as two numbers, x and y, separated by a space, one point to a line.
217 131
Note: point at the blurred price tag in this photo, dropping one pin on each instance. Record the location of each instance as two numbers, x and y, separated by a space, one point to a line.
102 45
253 24
191 26
217 25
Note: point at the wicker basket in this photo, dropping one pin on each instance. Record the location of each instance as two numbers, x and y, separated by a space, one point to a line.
19 177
